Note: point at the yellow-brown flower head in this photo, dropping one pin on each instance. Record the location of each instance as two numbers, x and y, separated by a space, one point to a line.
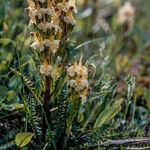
126 14
51 19
49 70
77 78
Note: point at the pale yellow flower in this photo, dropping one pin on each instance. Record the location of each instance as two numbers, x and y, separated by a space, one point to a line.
41 45
83 95
44 11
69 19
54 45
56 22
50 11
46 43
44 26
78 69
35 45
31 4
65 6
42 1
71 71
32 14
56 71
81 84
77 75
46 69
72 83
72 3
68 7
126 14
49 70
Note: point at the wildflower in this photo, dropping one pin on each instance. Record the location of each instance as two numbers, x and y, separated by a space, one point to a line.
32 13
50 18
54 45
55 73
83 94
68 8
77 76
65 6
69 19
46 43
72 83
44 11
126 14
47 17
42 1
44 26
35 45
46 69
40 46
81 84
73 5
49 70
55 23
50 11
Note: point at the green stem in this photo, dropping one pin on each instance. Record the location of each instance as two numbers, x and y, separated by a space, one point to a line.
126 111
133 114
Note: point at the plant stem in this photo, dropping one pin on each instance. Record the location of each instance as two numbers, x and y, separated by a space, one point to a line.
47 94
46 104
125 142
129 141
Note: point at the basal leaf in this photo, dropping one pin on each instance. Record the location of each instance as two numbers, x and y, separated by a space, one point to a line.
3 91
108 114
10 95
22 139
5 41
18 106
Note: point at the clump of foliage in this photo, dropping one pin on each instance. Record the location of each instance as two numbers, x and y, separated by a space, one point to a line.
58 101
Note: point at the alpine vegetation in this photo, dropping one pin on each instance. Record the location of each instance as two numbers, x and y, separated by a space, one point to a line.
58 95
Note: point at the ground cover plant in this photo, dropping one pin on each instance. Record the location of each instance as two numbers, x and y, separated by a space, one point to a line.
74 75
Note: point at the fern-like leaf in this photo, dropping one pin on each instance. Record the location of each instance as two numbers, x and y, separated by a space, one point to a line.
35 121
59 122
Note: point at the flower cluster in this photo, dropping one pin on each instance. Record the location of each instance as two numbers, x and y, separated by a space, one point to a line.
126 14
42 45
49 70
52 19
77 78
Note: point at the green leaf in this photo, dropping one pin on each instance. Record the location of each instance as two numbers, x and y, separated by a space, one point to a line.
5 41
22 139
10 95
15 83
3 92
108 114
80 117
18 106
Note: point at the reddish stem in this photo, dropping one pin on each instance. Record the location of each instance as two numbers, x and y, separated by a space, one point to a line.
46 105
